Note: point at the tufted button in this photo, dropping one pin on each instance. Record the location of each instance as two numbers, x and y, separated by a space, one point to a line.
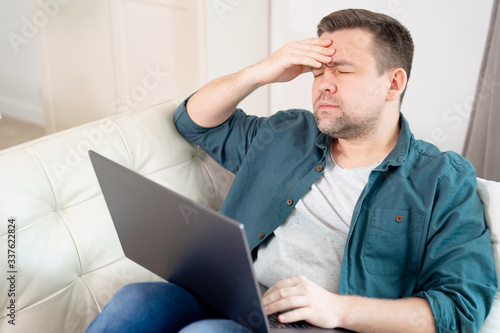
399 218
289 202
261 235
319 168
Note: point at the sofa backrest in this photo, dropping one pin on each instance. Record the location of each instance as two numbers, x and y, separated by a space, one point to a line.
66 260
489 192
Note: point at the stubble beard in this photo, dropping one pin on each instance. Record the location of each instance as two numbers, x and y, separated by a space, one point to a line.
345 126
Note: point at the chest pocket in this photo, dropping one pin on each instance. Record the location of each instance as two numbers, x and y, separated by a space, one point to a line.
393 242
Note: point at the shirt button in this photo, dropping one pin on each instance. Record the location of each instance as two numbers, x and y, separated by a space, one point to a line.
289 202
319 168
261 235
399 218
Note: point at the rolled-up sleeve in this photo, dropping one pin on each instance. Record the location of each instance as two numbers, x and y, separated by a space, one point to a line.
458 276
227 143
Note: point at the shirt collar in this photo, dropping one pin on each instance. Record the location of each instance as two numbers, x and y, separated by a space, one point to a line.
323 141
399 153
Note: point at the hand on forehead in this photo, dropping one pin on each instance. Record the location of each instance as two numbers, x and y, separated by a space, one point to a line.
349 45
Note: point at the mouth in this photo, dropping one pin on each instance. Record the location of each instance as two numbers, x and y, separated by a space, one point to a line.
327 106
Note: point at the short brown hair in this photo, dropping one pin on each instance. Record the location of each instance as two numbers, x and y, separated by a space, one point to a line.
393 45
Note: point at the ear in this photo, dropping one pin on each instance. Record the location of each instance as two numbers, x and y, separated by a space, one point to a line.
398 79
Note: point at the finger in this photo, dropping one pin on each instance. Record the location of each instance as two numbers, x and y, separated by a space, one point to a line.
325 42
322 46
284 289
272 296
276 286
318 57
299 47
305 55
286 304
307 63
281 284
301 313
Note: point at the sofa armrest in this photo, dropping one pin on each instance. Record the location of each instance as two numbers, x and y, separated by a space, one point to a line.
489 193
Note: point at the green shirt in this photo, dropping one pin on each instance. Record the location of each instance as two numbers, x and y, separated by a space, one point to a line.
417 229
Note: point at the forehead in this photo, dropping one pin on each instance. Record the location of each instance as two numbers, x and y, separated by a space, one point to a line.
352 44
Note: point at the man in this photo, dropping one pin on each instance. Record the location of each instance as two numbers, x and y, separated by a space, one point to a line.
352 222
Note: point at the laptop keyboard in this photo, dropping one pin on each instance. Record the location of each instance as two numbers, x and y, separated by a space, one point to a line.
275 323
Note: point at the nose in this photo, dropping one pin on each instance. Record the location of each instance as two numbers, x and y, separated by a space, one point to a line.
327 82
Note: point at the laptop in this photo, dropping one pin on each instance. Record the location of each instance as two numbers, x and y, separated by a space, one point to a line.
195 247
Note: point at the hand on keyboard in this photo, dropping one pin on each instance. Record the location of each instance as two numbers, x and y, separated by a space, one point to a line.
299 299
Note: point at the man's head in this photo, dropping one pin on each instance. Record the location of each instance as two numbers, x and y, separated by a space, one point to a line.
358 94
392 43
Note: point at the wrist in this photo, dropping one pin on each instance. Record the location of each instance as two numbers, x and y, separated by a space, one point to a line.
255 76
340 305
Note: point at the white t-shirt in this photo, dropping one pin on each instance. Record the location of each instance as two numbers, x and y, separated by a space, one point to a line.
311 241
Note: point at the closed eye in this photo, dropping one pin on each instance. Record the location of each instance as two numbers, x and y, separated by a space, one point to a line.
317 71
320 71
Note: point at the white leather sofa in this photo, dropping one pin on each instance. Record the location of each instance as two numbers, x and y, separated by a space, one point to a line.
66 258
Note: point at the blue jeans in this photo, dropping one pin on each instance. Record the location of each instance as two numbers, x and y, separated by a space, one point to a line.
160 307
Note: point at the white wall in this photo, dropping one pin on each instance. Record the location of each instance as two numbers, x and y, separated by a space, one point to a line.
100 58
449 37
19 78
237 37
